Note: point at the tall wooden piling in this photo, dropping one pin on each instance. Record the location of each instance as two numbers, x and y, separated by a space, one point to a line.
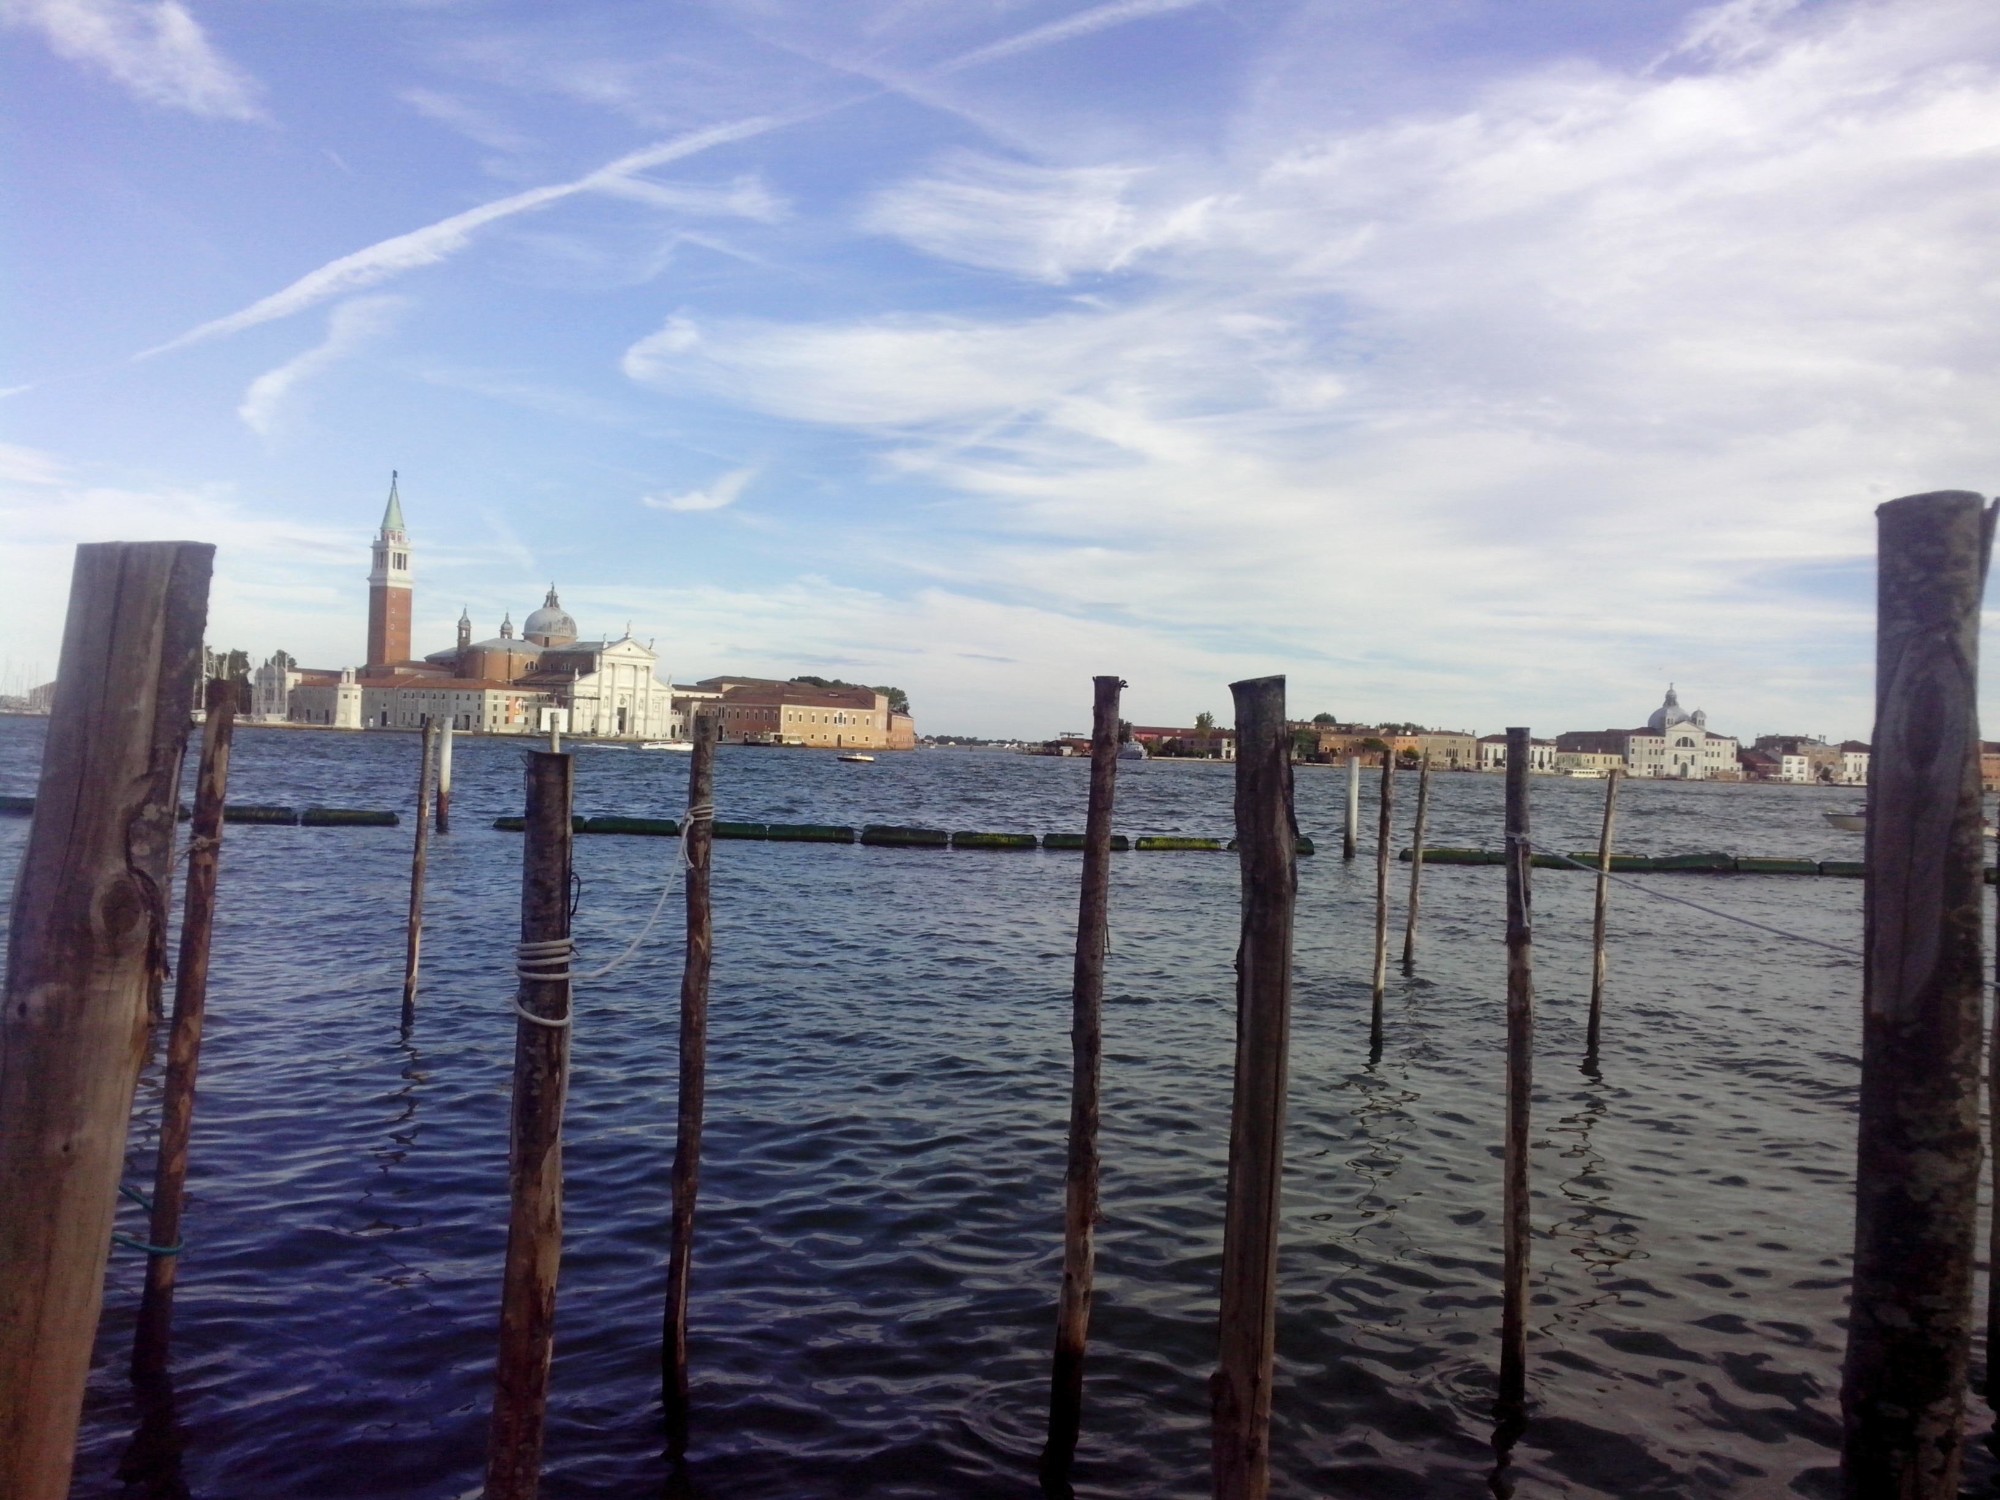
693 1081
534 1172
1917 1162
1599 917
1512 1403
1417 865
1350 838
204 848
419 859
89 925
1267 844
444 776
1384 838
1086 1058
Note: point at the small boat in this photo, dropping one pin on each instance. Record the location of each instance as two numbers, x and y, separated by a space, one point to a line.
1849 822
1132 750
858 759
682 747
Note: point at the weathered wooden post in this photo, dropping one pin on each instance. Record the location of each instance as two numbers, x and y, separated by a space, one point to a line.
1350 838
419 859
1267 844
534 1172
89 926
1384 837
1512 1404
693 1081
1086 1057
1417 865
1597 922
1917 1162
444 776
156 1307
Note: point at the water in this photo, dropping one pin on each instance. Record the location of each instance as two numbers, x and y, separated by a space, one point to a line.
880 1222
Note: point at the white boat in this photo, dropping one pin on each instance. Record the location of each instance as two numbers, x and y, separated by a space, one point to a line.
858 759
1132 750
1849 822
682 747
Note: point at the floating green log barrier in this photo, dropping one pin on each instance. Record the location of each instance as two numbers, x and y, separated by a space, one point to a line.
1850 869
659 828
1748 864
1304 845
1175 842
808 833
19 806
1621 864
1712 864
741 830
1460 857
993 841
893 836
1119 843
253 812
348 817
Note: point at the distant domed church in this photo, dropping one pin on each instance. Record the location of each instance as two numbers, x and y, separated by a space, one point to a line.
1674 743
506 684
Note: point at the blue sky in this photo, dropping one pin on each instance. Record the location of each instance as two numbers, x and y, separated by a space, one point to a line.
1474 362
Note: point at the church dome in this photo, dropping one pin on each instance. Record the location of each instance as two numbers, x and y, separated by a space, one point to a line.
550 625
1668 713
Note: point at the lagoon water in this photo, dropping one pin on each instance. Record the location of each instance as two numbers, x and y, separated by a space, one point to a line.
880 1222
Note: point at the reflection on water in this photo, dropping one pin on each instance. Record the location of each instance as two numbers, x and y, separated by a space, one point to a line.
880 1239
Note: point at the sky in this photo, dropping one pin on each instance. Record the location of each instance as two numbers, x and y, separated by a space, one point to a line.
1472 362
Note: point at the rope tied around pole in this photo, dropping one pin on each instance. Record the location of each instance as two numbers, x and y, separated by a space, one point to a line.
126 1190
549 961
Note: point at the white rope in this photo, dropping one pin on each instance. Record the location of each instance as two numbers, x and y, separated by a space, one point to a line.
549 960
1727 916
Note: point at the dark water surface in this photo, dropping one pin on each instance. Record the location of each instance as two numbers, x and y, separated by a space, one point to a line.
880 1223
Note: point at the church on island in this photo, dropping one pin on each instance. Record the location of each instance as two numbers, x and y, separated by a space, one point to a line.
544 677
1673 744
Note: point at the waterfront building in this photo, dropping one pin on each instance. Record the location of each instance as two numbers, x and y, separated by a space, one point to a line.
271 688
1587 762
763 711
1449 750
1493 754
1854 757
505 684
1192 743
1672 744
1823 761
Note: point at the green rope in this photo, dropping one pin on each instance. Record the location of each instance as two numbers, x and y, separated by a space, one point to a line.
131 1244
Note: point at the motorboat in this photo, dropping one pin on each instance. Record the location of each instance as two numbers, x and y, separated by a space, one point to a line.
1849 822
1132 750
679 747
856 758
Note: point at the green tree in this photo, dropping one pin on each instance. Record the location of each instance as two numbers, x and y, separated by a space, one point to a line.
899 701
1325 719
1305 744
1205 722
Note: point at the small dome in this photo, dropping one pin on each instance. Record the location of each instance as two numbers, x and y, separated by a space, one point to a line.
550 625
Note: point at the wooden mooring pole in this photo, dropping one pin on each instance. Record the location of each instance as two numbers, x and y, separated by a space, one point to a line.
1598 966
89 927
1267 844
1086 1060
204 849
419 859
1918 1150
1384 838
534 1171
693 1081
1417 865
1511 1408
1350 838
444 776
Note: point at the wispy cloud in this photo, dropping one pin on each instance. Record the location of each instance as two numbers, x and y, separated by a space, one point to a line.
154 48
1082 24
440 241
350 325
724 492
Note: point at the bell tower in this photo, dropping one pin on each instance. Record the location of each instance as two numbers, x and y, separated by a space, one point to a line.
389 586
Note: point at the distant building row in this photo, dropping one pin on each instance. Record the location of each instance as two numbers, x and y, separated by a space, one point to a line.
545 678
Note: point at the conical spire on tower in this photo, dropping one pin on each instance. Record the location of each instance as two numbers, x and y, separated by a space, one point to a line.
392 514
